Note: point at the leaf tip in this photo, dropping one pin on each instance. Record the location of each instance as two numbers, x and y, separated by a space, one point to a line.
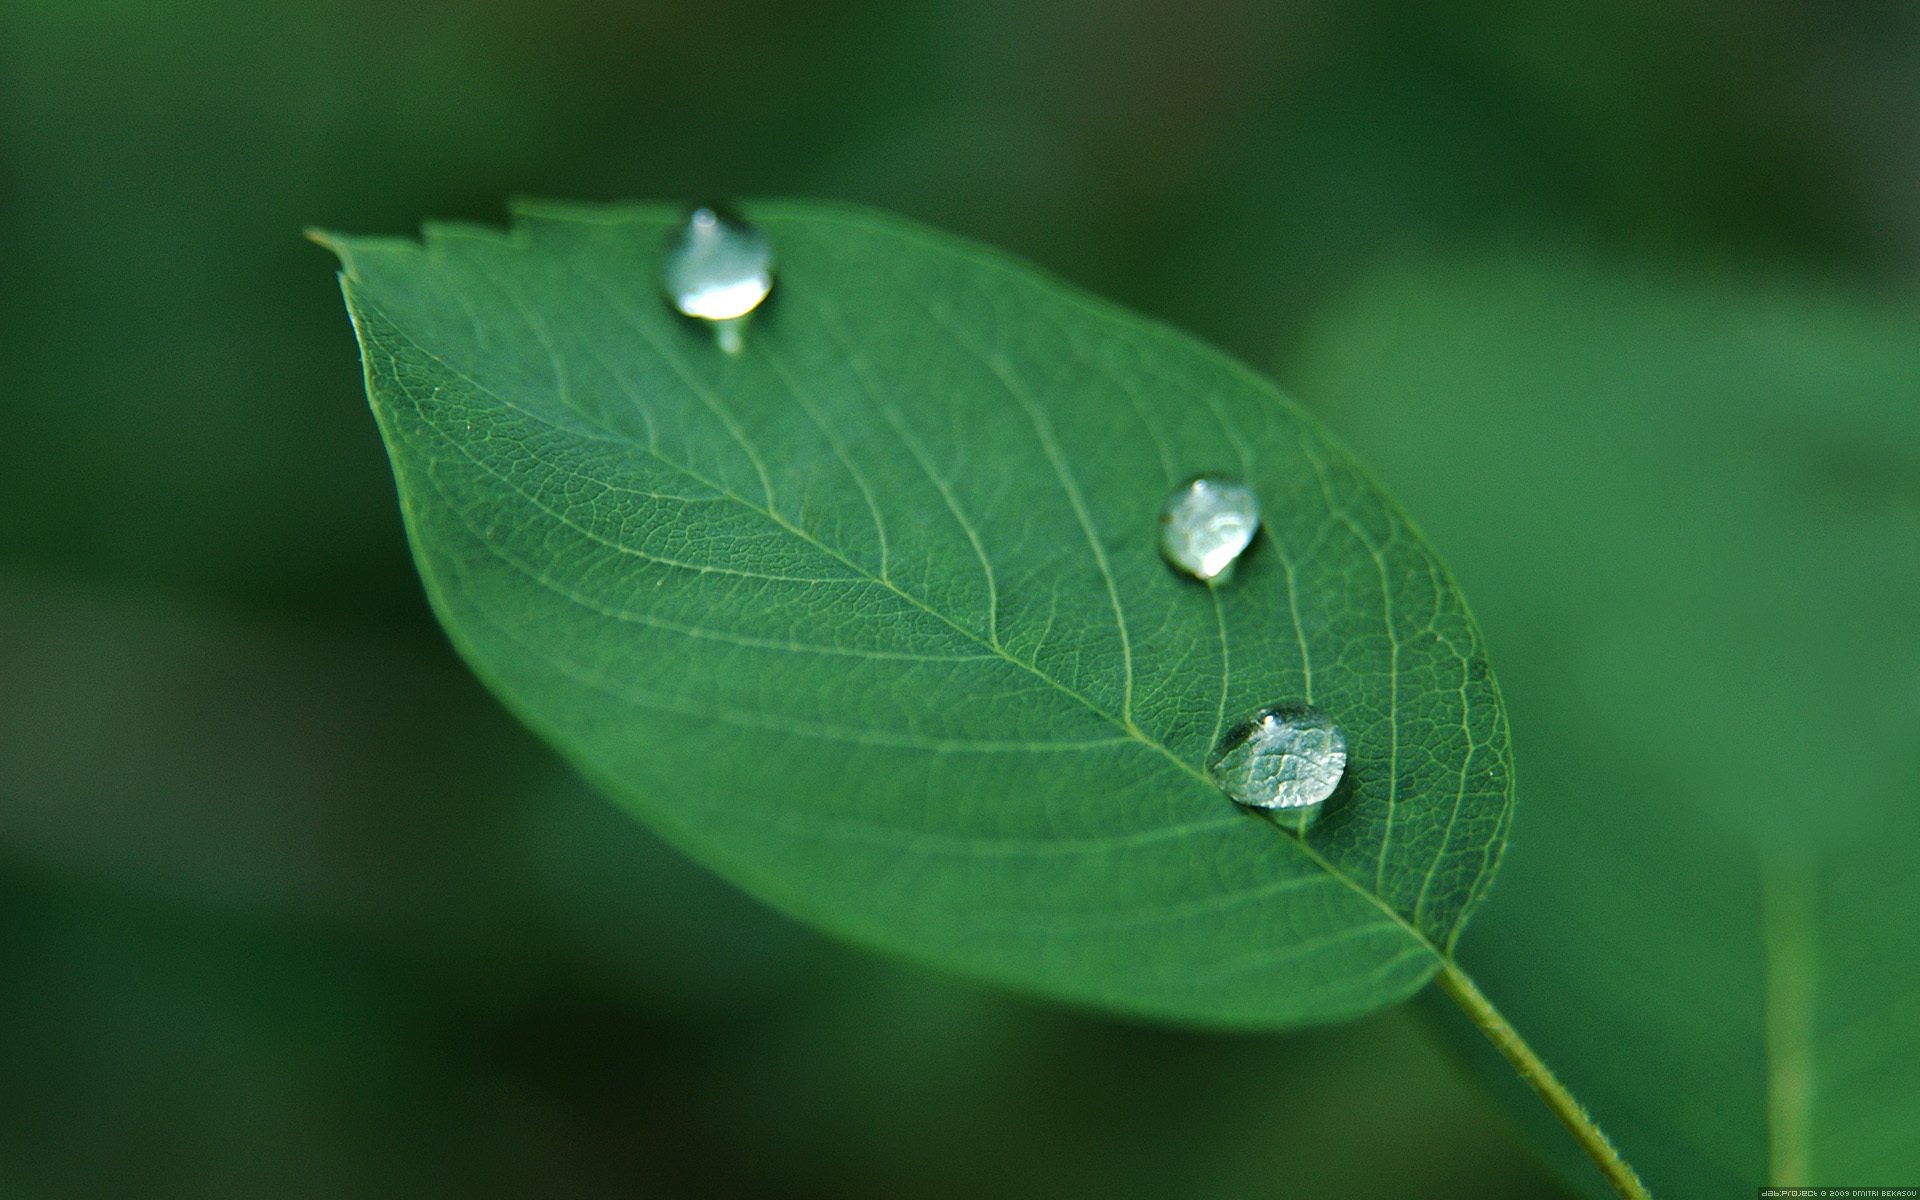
334 244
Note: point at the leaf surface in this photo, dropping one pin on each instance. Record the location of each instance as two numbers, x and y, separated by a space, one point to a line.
1690 516
870 617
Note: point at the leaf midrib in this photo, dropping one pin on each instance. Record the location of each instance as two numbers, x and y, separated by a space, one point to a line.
1128 728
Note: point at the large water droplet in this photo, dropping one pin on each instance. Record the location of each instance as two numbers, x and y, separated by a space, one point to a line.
717 268
1286 756
1206 525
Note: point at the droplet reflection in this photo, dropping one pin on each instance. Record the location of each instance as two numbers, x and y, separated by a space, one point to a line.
1286 756
717 268
1207 524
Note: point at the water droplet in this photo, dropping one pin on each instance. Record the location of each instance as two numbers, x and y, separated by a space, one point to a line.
717 268
1206 525
1286 756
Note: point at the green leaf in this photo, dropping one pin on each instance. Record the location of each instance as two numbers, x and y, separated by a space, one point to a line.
871 619
1689 515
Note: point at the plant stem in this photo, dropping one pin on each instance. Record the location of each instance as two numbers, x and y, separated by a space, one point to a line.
1512 1047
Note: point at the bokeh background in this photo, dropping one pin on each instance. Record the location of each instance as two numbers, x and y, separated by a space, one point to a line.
289 908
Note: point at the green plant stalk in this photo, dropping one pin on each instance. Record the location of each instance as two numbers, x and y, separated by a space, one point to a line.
1512 1047
1787 904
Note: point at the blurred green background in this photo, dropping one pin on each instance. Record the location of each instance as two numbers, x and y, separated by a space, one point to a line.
289 908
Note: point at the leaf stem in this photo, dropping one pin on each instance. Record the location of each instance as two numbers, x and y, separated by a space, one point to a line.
1512 1047
1786 894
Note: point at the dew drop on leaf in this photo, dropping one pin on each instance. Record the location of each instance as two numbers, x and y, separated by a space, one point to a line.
1286 756
1206 525
717 268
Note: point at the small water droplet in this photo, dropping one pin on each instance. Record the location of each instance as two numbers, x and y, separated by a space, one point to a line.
1206 525
1286 756
717 268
